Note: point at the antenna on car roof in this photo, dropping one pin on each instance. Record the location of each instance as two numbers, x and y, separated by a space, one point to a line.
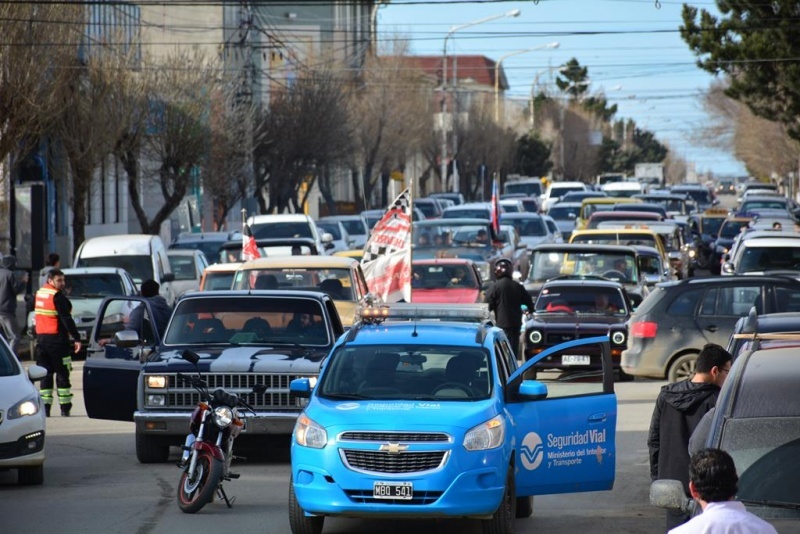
414 333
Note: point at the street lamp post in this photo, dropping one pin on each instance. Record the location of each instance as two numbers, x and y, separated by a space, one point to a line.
497 74
454 29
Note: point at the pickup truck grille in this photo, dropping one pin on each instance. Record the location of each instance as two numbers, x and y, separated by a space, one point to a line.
275 398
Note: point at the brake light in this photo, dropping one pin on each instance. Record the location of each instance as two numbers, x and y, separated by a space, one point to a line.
644 329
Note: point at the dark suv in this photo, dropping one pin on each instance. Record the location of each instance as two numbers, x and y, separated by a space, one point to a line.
673 323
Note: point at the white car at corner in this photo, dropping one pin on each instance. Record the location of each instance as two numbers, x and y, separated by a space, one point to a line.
22 418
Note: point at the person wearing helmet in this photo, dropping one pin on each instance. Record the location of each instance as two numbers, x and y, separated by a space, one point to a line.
505 298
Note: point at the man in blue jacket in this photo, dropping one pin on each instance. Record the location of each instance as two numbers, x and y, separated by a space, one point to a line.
10 287
158 304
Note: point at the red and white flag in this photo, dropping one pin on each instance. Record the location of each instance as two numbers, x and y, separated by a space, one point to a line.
386 261
249 248
495 210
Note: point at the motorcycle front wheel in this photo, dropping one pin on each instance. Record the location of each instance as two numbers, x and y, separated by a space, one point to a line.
196 489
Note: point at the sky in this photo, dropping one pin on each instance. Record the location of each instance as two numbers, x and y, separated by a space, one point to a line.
632 49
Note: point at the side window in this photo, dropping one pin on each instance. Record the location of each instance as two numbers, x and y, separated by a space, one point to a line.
709 302
788 300
744 298
685 304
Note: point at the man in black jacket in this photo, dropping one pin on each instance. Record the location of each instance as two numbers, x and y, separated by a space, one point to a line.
505 299
679 409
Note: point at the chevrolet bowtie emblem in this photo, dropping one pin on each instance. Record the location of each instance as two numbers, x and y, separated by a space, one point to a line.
393 448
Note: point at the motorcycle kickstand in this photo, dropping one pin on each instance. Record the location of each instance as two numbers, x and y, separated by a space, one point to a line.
221 493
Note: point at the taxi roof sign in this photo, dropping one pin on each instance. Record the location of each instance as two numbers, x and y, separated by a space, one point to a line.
473 313
717 212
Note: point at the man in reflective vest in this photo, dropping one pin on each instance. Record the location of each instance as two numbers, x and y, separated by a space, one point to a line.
56 337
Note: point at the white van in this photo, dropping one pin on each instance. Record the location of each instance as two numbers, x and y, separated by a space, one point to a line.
144 256
289 225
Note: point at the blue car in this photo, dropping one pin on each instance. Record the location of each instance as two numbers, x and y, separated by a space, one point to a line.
420 418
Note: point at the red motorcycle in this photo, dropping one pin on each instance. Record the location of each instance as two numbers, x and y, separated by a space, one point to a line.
208 449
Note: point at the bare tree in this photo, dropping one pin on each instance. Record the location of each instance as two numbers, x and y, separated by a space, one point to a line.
39 41
181 90
91 120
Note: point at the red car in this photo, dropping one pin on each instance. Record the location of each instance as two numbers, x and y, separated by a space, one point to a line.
446 280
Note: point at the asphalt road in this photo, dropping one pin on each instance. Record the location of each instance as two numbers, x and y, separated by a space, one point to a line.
93 483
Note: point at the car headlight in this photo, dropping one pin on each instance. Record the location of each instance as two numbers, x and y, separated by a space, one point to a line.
618 338
535 336
488 435
309 434
223 416
27 406
157 381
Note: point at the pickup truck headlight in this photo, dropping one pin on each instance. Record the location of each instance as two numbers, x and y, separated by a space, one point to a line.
535 337
618 338
488 435
156 381
223 416
309 434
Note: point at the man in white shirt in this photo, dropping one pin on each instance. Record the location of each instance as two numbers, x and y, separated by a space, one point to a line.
713 483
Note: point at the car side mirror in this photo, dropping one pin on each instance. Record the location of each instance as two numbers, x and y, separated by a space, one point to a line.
669 494
168 277
727 268
532 390
126 339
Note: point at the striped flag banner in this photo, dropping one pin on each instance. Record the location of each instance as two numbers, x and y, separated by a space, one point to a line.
386 260
249 248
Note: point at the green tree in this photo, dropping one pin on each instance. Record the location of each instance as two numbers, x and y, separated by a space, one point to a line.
532 156
573 79
753 43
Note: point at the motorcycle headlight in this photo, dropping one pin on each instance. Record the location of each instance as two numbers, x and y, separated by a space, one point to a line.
535 336
488 435
618 338
309 434
223 416
27 406
692 253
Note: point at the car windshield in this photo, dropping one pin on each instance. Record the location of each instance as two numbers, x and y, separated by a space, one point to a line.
711 225
618 238
731 229
466 213
8 365
564 213
759 259
336 282
278 230
139 267
209 248
580 300
757 205
93 286
533 227
448 235
218 280
407 372
183 267
331 228
440 276
619 266
765 450
239 321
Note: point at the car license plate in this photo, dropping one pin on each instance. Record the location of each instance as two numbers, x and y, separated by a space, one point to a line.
574 359
393 490
84 334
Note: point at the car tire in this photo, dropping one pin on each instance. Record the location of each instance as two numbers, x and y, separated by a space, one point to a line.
682 368
31 476
503 519
299 522
150 450
524 507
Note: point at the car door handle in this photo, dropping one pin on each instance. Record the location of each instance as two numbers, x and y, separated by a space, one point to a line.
598 417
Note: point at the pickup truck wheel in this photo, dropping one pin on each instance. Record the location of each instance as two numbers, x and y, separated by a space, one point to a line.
31 476
299 522
524 507
150 450
502 522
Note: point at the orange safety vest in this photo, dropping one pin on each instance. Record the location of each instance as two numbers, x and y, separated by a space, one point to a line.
45 309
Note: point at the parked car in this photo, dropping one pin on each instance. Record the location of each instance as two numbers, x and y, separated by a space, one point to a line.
728 233
757 421
243 337
355 225
86 288
529 186
218 276
531 227
565 214
626 215
295 246
412 417
188 267
341 278
430 207
556 190
209 243
446 281
764 251
701 195
567 308
341 238
677 206
22 432
287 226
668 330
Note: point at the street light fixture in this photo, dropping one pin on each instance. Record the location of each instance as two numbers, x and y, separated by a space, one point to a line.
454 29
497 73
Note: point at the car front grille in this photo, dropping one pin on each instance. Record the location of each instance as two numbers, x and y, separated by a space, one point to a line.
276 397
386 462
554 338
396 437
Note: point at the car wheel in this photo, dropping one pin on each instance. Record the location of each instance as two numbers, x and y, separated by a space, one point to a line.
31 476
524 507
502 522
150 450
682 368
299 522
